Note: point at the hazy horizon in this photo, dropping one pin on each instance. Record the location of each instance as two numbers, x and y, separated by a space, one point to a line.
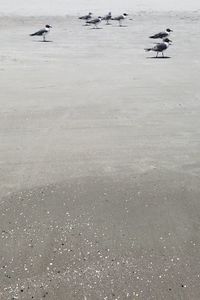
63 7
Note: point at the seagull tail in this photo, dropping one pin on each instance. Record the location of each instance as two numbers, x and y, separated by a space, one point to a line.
32 34
152 37
147 49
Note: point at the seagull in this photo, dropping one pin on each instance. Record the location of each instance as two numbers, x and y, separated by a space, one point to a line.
120 18
42 32
160 47
87 17
107 18
162 34
95 22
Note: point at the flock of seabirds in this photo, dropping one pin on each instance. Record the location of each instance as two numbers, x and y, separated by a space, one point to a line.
160 47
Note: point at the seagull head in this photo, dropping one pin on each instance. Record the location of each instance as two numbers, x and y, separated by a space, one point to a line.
125 15
166 40
169 30
48 26
90 14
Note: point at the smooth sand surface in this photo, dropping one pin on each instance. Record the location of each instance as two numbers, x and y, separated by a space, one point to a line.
100 162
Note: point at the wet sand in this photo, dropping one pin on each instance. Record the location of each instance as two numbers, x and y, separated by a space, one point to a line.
99 157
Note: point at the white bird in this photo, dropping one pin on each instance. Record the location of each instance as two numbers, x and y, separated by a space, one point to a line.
86 17
95 22
120 18
107 18
160 47
42 32
162 34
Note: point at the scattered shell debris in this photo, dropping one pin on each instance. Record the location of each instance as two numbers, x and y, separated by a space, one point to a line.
51 244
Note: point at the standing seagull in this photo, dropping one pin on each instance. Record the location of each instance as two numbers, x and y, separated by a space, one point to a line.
95 22
120 18
160 47
107 18
161 35
42 32
87 17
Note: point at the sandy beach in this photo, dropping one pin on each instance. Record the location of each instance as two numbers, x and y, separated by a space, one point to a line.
99 160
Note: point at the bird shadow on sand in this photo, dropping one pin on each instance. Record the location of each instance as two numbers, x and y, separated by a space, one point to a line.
159 57
121 26
96 28
44 41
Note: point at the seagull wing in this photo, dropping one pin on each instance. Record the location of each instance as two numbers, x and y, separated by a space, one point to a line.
118 18
40 32
87 17
94 21
89 21
160 47
159 35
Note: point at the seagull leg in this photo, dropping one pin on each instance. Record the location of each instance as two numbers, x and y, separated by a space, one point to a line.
163 54
157 54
